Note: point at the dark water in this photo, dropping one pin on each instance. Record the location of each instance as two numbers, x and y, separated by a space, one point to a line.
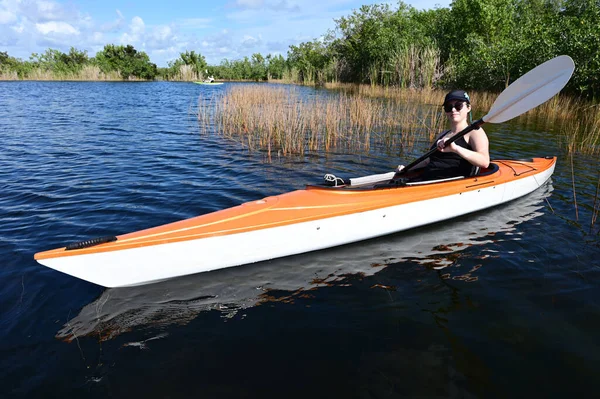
502 303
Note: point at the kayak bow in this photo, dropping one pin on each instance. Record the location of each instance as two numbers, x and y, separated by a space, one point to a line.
300 221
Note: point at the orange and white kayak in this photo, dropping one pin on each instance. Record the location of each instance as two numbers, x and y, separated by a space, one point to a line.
300 221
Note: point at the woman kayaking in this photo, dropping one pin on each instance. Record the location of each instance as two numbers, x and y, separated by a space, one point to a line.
460 157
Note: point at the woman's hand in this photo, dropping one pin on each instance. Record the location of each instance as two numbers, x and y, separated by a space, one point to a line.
442 147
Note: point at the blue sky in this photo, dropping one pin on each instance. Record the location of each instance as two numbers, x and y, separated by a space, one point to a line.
163 29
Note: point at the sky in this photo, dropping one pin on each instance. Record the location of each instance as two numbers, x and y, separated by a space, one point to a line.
227 29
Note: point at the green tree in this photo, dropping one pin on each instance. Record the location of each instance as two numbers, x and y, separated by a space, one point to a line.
275 66
127 60
482 42
579 36
195 60
375 41
258 67
308 58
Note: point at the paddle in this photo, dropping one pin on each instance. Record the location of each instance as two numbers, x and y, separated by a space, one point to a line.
530 90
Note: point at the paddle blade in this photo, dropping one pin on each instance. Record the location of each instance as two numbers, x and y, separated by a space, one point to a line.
532 89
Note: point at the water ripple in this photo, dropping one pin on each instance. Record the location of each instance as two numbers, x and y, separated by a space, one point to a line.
87 159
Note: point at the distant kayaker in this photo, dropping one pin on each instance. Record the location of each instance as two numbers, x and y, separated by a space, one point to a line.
460 157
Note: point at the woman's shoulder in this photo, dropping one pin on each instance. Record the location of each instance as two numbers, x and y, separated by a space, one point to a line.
477 132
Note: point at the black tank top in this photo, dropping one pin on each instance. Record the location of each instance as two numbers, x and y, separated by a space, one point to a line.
448 164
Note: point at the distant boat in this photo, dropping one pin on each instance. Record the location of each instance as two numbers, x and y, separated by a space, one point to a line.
209 83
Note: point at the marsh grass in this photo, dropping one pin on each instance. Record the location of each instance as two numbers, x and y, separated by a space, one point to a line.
574 123
596 206
87 73
8 75
186 73
280 119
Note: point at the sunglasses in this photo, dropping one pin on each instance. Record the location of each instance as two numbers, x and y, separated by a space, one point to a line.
458 105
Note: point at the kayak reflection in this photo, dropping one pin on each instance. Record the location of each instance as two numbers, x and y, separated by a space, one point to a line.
230 290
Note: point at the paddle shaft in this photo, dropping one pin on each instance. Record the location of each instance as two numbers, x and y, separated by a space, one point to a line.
473 126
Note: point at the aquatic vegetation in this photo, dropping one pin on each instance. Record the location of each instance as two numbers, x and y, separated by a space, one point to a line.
279 119
276 117
86 73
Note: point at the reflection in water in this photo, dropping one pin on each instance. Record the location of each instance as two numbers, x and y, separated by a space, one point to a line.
119 310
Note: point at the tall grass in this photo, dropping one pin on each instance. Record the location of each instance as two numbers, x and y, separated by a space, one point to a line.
186 73
395 115
280 119
87 73
8 75
410 66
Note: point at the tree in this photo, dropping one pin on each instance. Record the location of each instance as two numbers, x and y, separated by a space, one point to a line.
375 41
275 66
579 37
308 58
196 61
127 60
258 67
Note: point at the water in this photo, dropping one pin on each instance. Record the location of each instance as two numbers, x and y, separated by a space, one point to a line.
501 303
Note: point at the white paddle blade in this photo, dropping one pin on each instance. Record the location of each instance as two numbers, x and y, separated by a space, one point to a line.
532 89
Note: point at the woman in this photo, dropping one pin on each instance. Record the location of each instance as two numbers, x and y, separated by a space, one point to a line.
459 157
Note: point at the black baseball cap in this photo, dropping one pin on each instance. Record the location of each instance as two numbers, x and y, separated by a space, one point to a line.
457 95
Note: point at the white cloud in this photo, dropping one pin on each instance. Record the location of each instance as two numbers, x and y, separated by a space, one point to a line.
162 33
137 26
194 23
114 26
284 5
252 4
7 17
56 27
18 28
161 37
275 5
45 11
249 41
98 38
135 34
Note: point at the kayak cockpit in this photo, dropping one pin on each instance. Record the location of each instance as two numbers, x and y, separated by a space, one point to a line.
388 180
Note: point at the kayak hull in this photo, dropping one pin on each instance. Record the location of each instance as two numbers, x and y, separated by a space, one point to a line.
209 83
292 223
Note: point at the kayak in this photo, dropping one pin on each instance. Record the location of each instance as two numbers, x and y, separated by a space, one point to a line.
230 291
310 219
209 83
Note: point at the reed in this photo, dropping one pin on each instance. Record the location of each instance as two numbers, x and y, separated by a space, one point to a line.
186 73
596 206
8 75
278 118
91 73
580 133
394 116
86 73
